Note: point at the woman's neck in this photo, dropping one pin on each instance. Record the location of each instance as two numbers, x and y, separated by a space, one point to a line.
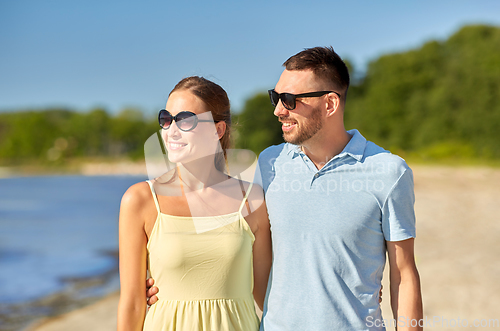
200 174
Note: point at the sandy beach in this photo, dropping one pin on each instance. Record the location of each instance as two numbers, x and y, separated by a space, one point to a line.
457 253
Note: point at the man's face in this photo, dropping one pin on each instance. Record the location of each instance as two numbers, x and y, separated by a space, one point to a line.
302 123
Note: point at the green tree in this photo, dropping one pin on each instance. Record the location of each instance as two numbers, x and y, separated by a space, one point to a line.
256 126
129 130
442 94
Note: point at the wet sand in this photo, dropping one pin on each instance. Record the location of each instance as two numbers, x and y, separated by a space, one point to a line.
457 252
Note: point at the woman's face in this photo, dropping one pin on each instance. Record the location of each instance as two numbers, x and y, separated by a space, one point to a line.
203 140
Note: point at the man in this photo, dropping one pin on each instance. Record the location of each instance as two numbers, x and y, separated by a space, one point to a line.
337 203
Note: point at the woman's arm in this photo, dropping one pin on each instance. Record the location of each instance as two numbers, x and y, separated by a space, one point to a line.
133 260
262 248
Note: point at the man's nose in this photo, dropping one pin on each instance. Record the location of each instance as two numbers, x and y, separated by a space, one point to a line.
280 110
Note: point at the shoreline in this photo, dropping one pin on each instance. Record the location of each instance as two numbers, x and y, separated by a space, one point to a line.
117 167
92 168
77 293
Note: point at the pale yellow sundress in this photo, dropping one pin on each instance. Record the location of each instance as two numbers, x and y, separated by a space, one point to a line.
205 278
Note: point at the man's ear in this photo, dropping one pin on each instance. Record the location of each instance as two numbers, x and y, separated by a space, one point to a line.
333 104
221 129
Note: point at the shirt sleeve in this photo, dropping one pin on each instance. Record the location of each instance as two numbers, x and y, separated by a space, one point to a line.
398 214
264 173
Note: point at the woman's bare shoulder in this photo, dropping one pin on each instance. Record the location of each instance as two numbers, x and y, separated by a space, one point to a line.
137 194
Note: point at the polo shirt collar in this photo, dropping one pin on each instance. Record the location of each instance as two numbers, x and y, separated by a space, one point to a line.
293 150
354 148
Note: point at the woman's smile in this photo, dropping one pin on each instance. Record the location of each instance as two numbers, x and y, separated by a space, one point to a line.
174 146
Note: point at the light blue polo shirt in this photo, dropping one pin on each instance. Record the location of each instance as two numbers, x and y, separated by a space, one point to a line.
329 229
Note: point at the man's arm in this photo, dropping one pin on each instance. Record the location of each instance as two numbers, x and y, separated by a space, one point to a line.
406 297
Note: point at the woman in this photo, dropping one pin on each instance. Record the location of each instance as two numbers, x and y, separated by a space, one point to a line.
203 235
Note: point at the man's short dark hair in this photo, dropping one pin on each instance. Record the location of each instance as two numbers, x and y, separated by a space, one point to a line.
325 63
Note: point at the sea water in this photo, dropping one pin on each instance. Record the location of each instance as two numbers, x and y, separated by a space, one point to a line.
56 230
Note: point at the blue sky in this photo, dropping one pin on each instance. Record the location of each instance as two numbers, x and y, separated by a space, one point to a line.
117 54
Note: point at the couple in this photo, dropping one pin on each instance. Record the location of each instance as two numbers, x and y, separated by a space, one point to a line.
334 205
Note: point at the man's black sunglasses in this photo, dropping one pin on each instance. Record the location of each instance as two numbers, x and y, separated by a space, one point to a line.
288 99
186 120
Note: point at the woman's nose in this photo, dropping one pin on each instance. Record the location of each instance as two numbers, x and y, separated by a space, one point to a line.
173 131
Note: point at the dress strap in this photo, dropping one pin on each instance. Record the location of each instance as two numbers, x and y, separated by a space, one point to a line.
245 199
155 198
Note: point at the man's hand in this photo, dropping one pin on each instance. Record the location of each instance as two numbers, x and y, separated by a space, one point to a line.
151 292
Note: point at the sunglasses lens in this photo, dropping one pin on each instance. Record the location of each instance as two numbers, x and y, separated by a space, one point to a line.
186 121
165 119
274 97
288 100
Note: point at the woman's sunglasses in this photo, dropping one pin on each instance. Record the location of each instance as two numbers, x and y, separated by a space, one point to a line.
288 99
185 120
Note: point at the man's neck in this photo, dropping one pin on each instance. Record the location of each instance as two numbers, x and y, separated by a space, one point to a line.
322 150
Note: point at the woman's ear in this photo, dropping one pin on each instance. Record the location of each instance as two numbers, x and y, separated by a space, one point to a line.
221 129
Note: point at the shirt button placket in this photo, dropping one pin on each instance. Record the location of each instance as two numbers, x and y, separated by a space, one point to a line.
316 175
